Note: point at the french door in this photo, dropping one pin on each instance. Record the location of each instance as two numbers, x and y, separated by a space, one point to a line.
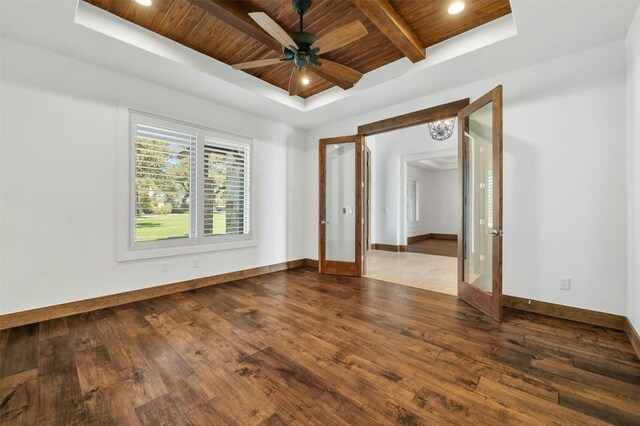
480 240
341 206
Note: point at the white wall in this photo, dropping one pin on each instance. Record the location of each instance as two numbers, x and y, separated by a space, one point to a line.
422 225
442 210
59 120
389 150
633 172
564 175
438 201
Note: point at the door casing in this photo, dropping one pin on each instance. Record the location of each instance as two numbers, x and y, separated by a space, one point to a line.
415 118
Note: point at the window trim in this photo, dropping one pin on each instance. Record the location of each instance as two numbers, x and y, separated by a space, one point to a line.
128 248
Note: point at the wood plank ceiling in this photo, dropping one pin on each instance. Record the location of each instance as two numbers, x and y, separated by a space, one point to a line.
188 24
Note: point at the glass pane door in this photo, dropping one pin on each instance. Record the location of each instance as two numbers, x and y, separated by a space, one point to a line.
480 245
341 190
478 211
341 200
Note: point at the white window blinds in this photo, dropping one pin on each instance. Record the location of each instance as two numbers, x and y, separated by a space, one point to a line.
226 187
191 186
412 200
165 182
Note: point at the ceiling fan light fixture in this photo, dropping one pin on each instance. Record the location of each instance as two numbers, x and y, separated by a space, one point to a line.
441 130
145 3
302 49
456 7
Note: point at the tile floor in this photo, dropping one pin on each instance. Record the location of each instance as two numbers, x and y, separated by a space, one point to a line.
428 272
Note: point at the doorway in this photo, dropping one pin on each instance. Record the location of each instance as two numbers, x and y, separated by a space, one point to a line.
412 194
479 260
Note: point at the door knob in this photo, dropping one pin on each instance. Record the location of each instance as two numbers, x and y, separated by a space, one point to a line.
324 222
494 232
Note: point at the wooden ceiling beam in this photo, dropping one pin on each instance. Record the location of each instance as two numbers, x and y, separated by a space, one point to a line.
236 15
382 14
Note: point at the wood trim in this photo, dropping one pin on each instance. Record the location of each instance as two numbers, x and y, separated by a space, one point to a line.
382 14
312 263
414 118
450 237
586 316
65 309
417 238
389 247
634 336
432 236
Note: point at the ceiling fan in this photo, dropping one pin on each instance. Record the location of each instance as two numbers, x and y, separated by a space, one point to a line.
303 49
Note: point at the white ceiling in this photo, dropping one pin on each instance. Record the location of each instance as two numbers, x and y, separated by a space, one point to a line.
543 30
448 162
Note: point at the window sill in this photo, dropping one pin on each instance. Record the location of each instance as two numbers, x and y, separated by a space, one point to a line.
152 253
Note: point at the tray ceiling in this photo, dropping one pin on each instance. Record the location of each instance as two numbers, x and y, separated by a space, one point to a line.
187 23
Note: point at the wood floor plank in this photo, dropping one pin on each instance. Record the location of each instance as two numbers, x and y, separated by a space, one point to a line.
21 351
60 400
56 354
162 411
541 409
53 328
109 406
433 246
19 398
297 347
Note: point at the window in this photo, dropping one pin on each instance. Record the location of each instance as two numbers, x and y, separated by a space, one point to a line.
226 202
412 200
191 186
165 183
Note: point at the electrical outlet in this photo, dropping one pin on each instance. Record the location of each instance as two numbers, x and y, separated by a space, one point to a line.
165 267
565 283
196 262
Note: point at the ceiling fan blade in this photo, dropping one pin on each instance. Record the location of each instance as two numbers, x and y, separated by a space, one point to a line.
295 85
258 63
330 78
339 71
273 29
340 37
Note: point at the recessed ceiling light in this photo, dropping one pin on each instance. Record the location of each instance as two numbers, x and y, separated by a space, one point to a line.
144 2
305 80
456 8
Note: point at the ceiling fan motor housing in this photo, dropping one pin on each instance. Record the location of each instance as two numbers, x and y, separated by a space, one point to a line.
301 6
305 54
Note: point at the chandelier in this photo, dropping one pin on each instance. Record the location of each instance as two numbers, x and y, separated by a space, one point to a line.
442 129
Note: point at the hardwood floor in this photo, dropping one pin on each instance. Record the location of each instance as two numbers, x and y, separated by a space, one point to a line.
298 347
435 247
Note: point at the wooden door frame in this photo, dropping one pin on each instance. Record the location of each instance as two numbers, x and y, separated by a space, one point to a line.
337 267
367 198
415 118
473 295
